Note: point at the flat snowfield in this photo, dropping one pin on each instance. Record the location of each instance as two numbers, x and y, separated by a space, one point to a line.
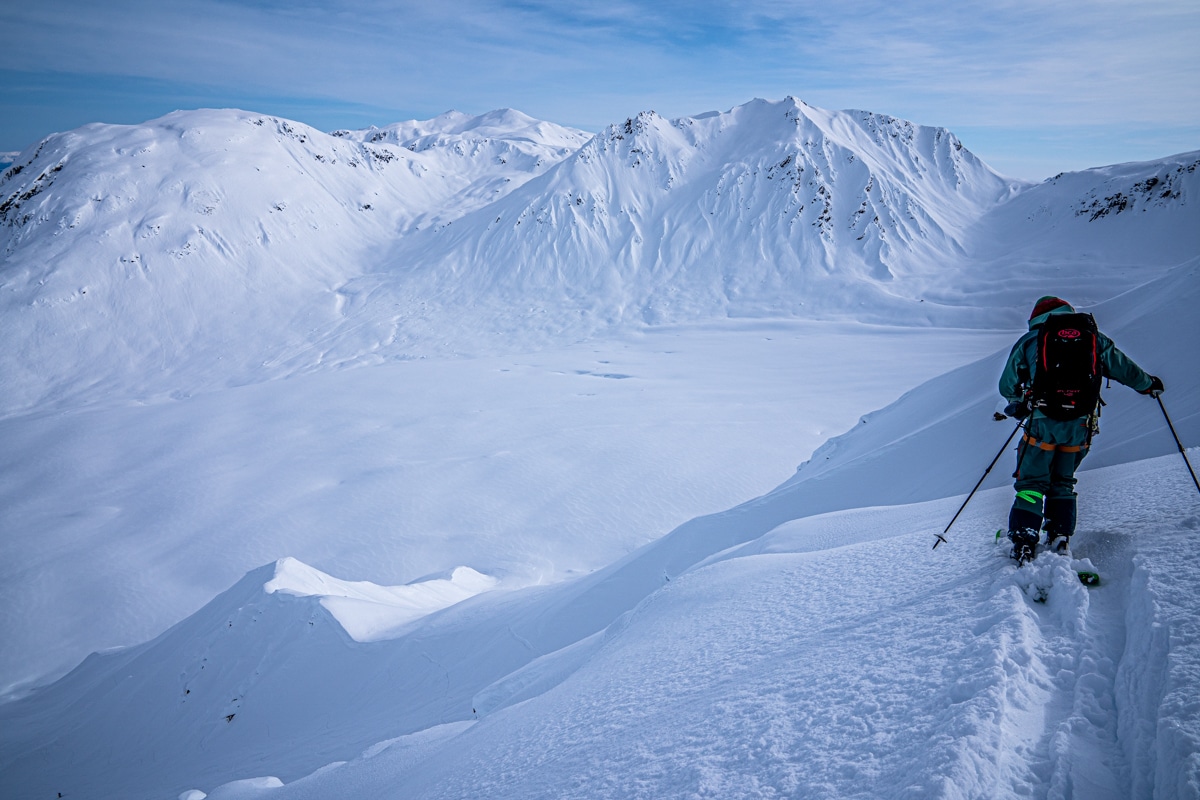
122 521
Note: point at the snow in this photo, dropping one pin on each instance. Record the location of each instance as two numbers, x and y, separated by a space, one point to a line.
832 669
529 468
403 502
369 612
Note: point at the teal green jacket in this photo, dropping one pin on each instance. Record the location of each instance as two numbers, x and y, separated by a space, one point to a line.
1022 363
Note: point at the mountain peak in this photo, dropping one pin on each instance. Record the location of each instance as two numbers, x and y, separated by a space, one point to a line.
760 205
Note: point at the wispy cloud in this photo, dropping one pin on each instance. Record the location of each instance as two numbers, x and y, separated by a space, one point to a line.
983 65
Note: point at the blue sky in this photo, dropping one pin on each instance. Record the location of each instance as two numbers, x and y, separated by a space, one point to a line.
1033 87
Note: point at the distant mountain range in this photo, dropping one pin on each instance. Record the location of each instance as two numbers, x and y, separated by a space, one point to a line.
213 248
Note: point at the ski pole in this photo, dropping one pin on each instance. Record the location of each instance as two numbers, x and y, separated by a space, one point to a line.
942 536
1179 444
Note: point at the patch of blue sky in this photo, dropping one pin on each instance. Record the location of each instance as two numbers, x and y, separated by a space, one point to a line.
993 70
40 103
670 24
1036 152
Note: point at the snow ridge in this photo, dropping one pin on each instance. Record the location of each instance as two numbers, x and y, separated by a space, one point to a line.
369 612
304 633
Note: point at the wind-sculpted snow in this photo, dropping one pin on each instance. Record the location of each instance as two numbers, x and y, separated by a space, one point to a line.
369 612
835 656
248 666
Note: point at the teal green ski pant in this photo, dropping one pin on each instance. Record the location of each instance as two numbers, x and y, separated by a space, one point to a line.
1049 453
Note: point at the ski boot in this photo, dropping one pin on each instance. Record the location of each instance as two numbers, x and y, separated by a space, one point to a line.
1060 524
1025 543
1058 543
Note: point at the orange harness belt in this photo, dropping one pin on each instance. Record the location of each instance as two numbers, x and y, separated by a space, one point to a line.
1062 448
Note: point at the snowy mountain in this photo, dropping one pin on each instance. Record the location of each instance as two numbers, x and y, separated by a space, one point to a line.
168 242
1085 232
179 236
770 208
554 565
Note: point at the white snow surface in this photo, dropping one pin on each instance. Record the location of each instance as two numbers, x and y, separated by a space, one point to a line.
528 546
369 612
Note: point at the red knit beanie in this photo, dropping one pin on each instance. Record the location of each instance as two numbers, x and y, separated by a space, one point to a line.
1048 303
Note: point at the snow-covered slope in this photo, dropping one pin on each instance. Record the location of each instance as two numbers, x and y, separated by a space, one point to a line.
841 658
792 615
827 654
1082 234
303 631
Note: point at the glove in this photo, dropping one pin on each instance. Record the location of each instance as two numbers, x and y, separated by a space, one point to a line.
1018 410
1156 387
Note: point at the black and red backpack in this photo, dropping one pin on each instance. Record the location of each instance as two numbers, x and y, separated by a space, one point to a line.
1066 381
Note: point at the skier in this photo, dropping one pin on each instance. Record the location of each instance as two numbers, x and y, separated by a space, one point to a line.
1063 407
